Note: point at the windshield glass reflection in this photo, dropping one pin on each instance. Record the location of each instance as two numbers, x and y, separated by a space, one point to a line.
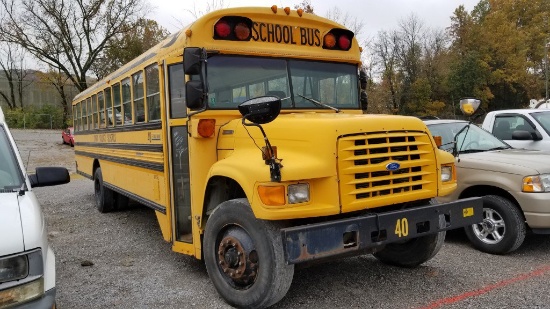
471 139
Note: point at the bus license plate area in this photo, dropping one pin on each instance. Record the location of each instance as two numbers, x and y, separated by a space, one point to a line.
321 240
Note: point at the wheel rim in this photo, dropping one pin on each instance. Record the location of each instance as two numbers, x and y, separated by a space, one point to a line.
492 229
237 258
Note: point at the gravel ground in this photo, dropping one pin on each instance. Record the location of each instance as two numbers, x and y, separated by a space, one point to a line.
119 260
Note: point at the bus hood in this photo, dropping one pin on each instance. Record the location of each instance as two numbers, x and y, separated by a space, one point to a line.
10 224
307 143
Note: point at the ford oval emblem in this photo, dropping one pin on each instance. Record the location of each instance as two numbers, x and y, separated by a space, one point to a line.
393 166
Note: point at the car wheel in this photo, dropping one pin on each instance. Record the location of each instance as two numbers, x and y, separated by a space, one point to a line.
503 228
411 253
104 197
244 257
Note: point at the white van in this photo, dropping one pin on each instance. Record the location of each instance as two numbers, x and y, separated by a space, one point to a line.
27 262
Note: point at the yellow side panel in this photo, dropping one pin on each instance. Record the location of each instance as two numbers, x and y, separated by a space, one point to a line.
164 223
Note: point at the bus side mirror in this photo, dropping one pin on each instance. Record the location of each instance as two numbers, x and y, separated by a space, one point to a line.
363 92
194 94
363 79
261 110
192 60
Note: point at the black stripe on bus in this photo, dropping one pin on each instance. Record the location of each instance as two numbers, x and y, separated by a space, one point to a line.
85 175
138 147
132 162
129 128
136 198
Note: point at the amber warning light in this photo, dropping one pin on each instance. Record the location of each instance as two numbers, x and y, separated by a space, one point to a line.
233 28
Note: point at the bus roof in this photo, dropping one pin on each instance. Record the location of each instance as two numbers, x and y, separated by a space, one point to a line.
274 34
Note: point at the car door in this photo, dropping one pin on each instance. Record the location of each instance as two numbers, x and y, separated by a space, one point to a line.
506 124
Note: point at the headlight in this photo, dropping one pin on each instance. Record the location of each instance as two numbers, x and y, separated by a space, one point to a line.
538 183
14 268
298 193
447 173
22 293
21 277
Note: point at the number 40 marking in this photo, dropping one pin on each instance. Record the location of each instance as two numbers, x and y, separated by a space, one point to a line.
402 227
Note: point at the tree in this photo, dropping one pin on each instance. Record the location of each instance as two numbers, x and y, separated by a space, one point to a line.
211 5
12 65
66 35
135 39
305 5
60 82
385 54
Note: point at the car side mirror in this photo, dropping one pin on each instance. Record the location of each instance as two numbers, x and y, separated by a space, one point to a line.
49 176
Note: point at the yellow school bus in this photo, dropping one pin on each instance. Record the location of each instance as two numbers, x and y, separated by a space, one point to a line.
246 133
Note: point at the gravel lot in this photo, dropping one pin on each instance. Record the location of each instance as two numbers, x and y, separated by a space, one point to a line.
119 260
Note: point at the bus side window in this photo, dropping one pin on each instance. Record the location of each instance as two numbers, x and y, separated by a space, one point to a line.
139 107
177 91
101 102
152 92
109 107
127 101
94 112
117 104
83 114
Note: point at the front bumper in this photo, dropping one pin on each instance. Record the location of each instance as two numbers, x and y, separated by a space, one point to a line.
354 235
536 208
47 301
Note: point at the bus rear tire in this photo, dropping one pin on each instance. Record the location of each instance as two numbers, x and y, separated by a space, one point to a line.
412 252
244 257
104 197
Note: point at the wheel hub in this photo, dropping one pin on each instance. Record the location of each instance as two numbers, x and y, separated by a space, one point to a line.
236 262
488 225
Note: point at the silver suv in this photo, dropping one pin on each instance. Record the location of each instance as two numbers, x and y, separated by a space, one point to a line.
27 262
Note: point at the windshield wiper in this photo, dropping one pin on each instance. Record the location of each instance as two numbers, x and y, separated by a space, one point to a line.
499 148
319 103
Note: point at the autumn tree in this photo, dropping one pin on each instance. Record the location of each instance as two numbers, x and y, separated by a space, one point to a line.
66 35
134 39
12 64
306 6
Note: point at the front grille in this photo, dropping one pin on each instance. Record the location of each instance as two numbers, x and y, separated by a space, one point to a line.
365 180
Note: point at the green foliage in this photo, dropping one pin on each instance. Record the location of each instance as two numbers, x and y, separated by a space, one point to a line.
134 39
32 117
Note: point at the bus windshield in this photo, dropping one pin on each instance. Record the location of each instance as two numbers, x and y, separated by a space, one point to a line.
235 79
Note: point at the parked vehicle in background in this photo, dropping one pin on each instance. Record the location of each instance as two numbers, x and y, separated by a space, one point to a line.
520 128
27 263
515 184
67 136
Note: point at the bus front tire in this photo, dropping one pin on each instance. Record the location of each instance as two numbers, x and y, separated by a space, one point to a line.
104 197
244 257
412 252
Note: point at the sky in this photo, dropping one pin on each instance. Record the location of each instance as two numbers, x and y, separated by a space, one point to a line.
377 15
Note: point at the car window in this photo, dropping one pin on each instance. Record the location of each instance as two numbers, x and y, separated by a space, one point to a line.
10 174
474 138
543 118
